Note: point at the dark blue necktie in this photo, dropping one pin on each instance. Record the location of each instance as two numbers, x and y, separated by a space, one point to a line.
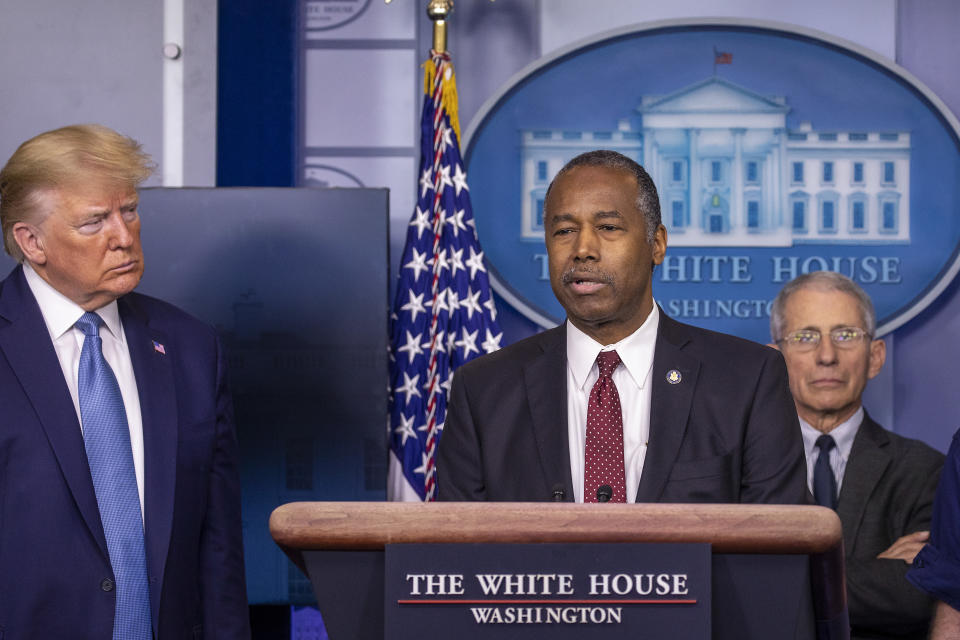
824 482
106 438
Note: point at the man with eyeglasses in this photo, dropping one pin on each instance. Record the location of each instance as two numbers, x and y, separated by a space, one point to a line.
882 485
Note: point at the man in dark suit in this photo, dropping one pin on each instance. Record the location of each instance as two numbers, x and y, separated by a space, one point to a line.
620 403
119 486
881 484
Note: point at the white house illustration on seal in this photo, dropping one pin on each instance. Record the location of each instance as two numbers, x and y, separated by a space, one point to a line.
730 173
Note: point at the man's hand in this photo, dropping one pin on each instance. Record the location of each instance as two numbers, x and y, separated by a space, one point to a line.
907 547
946 623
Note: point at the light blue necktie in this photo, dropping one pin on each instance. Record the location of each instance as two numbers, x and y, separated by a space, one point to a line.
106 438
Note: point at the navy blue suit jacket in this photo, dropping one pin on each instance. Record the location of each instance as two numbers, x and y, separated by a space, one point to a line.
55 574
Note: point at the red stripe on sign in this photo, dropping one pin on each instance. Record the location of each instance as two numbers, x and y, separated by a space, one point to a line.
546 602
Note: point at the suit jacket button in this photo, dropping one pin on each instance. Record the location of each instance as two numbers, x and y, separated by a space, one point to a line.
106 584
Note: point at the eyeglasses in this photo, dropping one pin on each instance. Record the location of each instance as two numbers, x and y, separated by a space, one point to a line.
809 339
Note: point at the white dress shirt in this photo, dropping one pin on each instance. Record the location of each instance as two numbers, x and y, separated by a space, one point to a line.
60 314
632 378
843 435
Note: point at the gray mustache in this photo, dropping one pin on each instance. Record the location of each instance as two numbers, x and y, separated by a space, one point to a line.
572 275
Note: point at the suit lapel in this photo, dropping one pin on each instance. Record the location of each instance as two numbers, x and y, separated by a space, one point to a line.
546 382
867 463
669 407
27 346
158 407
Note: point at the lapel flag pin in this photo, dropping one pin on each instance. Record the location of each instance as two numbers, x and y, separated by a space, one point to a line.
159 348
674 377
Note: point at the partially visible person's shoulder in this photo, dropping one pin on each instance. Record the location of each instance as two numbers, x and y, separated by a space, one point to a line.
915 451
514 356
713 344
167 317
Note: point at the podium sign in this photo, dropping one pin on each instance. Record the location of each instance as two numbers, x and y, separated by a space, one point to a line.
776 571
556 591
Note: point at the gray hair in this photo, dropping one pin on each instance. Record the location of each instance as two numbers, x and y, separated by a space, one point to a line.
647 202
824 281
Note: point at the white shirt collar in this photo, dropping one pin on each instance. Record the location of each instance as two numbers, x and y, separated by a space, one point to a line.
635 351
60 313
843 435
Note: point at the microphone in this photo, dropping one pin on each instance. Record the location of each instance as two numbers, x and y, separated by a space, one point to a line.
604 493
559 493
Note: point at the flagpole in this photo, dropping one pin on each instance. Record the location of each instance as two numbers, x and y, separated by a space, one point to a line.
438 10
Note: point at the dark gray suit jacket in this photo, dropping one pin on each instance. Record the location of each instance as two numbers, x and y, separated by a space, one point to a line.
887 492
727 433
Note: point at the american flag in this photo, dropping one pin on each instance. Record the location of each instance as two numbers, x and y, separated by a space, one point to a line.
444 314
722 57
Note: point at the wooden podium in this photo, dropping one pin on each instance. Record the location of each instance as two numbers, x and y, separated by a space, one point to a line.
758 553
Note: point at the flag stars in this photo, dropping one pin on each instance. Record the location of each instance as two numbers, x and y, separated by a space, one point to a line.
424 462
492 342
405 430
426 181
475 262
440 262
453 300
427 386
456 262
446 137
414 305
459 179
421 220
418 264
438 235
492 308
446 384
440 303
442 179
435 390
412 347
469 342
456 222
432 341
451 342
471 303
409 387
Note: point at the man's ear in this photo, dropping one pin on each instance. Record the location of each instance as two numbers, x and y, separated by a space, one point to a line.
878 355
659 249
30 241
773 345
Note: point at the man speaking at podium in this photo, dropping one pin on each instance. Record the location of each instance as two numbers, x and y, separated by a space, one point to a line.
621 402
119 488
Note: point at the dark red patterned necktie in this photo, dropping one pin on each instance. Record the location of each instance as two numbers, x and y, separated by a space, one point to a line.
603 452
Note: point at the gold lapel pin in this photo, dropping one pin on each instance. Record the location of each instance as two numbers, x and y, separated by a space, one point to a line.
674 377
